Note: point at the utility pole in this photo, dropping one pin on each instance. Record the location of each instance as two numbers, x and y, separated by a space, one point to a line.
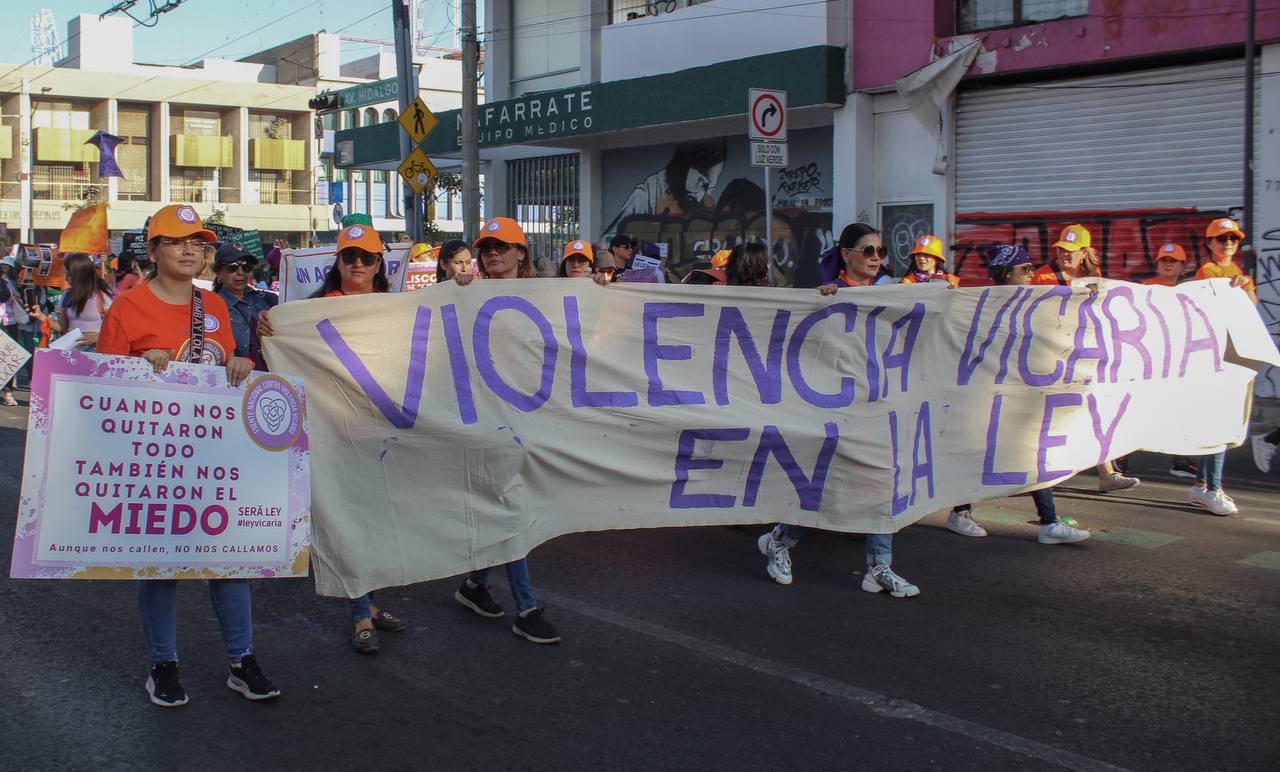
407 90
470 148
1247 221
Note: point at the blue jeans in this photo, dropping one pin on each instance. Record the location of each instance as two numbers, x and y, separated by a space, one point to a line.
158 602
1210 475
361 608
518 578
879 545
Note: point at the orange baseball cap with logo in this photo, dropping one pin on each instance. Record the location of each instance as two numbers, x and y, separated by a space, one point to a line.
1224 226
580 247
420 249
501 229
178 221
1171 252
360 237
929 245
1073 237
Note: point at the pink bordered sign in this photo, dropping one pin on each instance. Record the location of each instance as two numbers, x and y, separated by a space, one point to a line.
132 474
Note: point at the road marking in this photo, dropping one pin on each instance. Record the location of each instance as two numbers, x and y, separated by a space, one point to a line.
879 704
1136 537
1263 560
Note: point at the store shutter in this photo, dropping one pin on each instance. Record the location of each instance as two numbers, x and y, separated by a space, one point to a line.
1167 137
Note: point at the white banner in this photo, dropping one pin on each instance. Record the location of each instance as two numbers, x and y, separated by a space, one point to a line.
506 413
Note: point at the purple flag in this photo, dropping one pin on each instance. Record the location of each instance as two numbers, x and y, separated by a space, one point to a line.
106 144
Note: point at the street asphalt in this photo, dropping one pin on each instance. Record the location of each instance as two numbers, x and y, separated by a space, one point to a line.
1151 646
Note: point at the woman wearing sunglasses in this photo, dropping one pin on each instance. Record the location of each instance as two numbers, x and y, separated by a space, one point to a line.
504 254
859 264
856 261
357 270
233 281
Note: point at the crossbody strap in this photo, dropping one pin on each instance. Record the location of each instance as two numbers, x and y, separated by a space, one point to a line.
195 352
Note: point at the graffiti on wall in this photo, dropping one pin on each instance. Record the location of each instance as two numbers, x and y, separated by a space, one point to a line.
1126 240
1268 277
704 198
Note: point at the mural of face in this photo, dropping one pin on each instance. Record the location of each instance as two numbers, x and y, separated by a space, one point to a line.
699 183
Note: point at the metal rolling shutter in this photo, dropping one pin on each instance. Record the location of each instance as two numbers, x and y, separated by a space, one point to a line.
1168 137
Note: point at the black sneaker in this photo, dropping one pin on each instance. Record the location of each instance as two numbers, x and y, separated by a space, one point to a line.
163 686
536 628
478 600
1184 468
249 680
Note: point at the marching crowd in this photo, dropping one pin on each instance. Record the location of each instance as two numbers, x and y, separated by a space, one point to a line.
167 317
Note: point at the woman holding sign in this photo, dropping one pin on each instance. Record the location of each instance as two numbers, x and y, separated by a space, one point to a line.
11 315
358 269
167 319
504 254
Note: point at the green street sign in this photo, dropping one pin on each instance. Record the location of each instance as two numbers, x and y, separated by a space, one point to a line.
369 93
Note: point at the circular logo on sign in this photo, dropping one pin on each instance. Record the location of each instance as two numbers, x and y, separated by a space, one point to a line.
493 226
272 413
355 232
211 323
187 215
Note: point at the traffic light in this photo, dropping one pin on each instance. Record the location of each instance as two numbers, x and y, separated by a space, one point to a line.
324 102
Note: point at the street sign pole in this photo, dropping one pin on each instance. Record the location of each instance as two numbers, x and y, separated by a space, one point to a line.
768 220
407 90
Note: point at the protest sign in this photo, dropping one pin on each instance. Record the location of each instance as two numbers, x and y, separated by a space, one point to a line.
303 271
507 413
12 357
249 241
132 474
419 275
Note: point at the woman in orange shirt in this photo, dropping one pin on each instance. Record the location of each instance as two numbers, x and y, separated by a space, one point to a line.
1171 263
1073 258
1224 238
166 319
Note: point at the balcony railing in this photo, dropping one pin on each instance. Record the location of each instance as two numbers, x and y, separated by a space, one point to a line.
202 193
283 196
68 191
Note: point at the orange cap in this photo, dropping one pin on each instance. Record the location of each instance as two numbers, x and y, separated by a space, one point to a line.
720 259
361 237
420 249
1074 237
580 248
178 221
1171 252
929 245
1222 226
501 229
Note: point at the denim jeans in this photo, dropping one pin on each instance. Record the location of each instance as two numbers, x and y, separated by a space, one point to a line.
1211 471
879 545
361 608
518 578
158 602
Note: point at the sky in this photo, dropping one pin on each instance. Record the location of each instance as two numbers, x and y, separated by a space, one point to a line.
227 29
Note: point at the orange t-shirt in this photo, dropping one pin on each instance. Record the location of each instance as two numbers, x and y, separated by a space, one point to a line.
1158 280
952 279
1228 271
138 321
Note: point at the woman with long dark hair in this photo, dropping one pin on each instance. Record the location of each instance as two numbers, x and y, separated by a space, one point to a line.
84 304
358 269
454 258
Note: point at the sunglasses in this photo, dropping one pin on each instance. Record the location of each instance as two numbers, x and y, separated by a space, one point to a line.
1226 238
869 251
1025 268
493 245
350 258
236 267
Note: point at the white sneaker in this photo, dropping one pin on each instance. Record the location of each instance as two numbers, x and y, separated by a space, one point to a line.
1263 452
963 524
779 566
1060 533
880 578
1220 503
1116 482
1197 496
